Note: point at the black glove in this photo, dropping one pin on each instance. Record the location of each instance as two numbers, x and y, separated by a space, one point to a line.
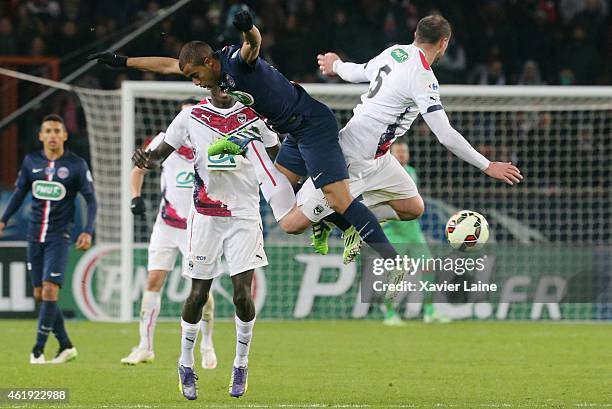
243 21
110 59
138 206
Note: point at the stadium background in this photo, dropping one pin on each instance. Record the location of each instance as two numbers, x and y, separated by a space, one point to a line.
562 146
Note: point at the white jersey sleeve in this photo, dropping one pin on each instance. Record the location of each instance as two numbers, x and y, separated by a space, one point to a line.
155 142
453 140
269 137
352 72
426 91
177 133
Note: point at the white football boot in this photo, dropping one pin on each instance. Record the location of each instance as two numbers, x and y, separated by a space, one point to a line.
65 355
209 358
137 356
40 360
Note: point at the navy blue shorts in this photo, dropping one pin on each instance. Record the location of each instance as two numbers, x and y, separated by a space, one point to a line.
312 149
47 261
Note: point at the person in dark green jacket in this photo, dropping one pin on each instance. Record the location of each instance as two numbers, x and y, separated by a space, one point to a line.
410 233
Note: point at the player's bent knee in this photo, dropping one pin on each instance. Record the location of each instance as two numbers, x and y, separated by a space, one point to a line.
50 291
196 299
242 295
409 209
294 225
155 280
338 195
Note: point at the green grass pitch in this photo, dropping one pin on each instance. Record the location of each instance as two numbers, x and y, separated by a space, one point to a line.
350 364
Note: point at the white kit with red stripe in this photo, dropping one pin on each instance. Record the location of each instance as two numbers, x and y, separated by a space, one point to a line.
176 184
402 85
233 190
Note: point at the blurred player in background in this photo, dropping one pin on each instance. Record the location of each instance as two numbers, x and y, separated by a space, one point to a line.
408 232
54 176
402 85
224 221
168 239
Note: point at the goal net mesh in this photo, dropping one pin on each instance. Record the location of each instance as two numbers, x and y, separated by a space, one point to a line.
561 143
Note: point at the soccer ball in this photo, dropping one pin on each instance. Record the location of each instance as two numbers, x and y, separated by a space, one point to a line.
467 231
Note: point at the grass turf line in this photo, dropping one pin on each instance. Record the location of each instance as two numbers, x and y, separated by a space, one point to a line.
350 364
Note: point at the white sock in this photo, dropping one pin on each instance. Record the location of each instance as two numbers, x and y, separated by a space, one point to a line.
244 333
384 212
275 186
189 336
207 330
149 310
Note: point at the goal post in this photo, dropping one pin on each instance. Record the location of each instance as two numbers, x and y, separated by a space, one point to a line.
559 136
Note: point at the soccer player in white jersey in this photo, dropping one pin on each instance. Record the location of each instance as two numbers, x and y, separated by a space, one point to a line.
224 221
402 86
168 239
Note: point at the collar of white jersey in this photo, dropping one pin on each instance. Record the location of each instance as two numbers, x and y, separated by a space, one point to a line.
418 48
237 105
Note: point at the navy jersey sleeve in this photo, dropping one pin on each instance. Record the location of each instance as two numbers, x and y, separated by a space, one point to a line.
234 59
22 186
87 190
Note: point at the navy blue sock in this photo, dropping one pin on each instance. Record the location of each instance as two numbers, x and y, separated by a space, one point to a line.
60 331
370 231
46 321
338 220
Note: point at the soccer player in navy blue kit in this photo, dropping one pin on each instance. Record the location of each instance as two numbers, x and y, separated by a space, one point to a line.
312 146
54 176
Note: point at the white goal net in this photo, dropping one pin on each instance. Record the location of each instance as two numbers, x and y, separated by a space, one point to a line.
558 136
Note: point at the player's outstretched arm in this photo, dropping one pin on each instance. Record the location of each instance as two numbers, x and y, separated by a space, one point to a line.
243 21
330 65
457 144
136 180
22 187
159 65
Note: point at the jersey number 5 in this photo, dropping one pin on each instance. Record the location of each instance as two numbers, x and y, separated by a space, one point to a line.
379 79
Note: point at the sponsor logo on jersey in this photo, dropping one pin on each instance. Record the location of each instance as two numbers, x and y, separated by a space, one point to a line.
242 118
434 86
243 97
63 172
184 179
229 80
318 210
399 55
48 190
221 162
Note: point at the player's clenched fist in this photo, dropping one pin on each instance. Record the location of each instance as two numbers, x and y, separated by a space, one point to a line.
141 158
83 241
326 63
110 59
504 171
243 21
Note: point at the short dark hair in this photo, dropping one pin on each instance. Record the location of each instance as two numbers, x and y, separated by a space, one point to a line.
432 28
53 117
189 101
194 53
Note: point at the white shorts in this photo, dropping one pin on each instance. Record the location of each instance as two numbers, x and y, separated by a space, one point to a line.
378 180
165 245
238 240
